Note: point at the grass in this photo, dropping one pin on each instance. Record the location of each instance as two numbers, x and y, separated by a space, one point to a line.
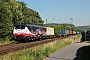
7 40
2 42
39 52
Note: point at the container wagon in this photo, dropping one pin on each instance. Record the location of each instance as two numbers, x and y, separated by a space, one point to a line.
63 32
69 32
49 32
74 32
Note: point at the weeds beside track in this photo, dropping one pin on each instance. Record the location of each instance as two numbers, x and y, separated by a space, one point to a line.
5 49
39 52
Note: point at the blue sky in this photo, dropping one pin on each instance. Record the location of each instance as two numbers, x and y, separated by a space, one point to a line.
60 11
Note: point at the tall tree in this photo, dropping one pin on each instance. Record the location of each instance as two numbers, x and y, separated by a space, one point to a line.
29 15
5 20
15 12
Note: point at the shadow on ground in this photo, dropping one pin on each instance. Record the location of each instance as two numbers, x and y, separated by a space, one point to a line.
83 53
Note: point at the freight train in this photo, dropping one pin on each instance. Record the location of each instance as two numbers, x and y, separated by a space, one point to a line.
25 32
29 32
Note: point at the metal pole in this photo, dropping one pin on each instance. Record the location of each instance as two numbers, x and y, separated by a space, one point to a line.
85 36
71 24
46 21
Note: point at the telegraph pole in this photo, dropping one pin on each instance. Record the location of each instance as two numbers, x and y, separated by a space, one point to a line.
46 21
71 23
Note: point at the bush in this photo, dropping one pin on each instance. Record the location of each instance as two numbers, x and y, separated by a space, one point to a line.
87 36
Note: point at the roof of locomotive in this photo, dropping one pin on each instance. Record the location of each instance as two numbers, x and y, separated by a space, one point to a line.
36 26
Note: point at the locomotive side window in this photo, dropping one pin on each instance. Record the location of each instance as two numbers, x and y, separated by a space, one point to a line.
19 26
31 29
34 29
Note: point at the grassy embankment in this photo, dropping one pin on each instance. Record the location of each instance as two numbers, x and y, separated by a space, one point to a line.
40 52
7 40
2 42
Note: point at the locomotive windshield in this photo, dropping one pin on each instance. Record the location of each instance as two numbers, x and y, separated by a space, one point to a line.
19 26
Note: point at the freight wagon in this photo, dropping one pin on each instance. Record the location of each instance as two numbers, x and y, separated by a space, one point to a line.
49 31
74 32
63 32
69 32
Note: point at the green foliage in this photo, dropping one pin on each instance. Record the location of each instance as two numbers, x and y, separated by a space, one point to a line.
5 22
14 12
87 36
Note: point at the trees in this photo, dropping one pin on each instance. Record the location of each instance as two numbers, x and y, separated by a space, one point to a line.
85 36
29 15
5 20
14 12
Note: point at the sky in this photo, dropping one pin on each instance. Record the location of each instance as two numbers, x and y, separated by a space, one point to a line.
60 11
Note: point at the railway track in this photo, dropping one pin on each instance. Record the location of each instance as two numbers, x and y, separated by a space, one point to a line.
5 49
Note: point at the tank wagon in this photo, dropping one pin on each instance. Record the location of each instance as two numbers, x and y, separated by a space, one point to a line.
25 32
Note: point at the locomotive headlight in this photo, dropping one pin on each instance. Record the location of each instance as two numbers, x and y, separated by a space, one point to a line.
13 34
23 34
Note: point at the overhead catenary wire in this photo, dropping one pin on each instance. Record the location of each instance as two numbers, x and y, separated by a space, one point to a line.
53 18
42 9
